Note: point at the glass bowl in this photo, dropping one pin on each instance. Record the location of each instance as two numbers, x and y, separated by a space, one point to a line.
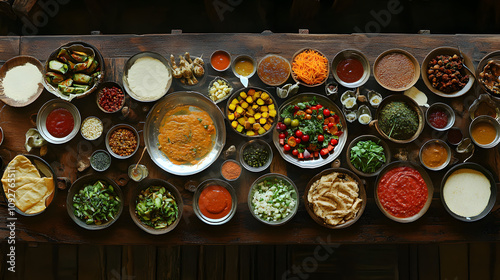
258 144
215 182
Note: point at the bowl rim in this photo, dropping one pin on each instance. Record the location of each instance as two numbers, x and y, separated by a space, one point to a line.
241 56
416 74
224 52
234 202
492 121
107 85
3 136
348 53
256 142
8 65
493 188
88 118
149 182
366 137
230 160
84 180
42 117
425 177
362 195
484 60
250 197
115 127
100 151
439 142
280 57
302 83
449 111
445 50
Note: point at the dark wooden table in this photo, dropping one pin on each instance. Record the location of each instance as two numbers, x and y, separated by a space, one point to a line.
55 225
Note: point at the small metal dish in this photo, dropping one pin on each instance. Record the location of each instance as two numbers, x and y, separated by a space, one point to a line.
110 132
493 122
215 182
226 96
99 95
92 162
387 153
416 73
447 109
45 110
351 54
252 192
244 57
435 142
259 144
222 52
19 61
222 166
83 123
200 80
133 203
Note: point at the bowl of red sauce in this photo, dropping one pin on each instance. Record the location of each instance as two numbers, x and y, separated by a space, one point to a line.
58 121
215 202
220 60
351 68
403 191
440 116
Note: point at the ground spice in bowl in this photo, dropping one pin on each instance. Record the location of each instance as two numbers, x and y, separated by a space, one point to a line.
231 170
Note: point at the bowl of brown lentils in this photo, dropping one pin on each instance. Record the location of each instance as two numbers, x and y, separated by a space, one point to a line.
122 141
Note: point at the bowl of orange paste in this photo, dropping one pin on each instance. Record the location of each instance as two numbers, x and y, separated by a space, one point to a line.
215 202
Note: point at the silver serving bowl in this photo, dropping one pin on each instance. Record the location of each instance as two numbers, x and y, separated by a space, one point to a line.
493 122
155 117
256 143
439 142
387 153
45 110
355 54
239 57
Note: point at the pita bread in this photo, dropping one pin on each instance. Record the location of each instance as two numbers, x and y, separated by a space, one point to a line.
22 168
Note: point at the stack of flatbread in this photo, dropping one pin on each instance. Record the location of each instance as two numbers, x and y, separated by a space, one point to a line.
31 190
335 198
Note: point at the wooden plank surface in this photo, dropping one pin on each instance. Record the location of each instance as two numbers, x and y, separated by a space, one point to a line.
373 227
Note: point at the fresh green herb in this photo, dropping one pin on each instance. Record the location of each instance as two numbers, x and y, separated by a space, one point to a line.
200 120
398 120
96 204
156 207
367 156
205 126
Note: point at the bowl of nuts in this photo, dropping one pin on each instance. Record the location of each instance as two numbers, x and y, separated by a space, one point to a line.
122 141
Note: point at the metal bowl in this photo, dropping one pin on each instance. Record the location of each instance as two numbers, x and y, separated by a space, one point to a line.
259 144
14 62
489 102
491 56
294 76
129 64
387 152
362 195
89 118
110 132
227 161
93 165
326 102
155 117
447 51
261 75
427 180
45 110
225 53
79 184
447 109
273 176
493 122
234 201
231 88
99 94
45 170
493 189
133 202
416 73
438 142
240 57
80 46
353 54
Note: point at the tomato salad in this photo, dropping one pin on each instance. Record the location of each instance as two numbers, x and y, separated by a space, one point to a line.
309 130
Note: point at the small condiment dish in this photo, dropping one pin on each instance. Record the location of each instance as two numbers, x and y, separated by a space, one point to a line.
98 133
256 144
261 69
351 54
43 113
435 142
95 165
454 136
100 93
226 96
443 107
110 132
240 58
220 53
493 122
222 170
215 182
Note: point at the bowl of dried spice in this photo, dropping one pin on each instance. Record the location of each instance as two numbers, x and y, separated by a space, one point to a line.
230 170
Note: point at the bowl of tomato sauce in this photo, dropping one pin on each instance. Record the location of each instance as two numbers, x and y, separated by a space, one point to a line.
351 68
440 116
403 191
215 202
58 121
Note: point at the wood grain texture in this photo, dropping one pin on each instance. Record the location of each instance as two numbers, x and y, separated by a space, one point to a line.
373 227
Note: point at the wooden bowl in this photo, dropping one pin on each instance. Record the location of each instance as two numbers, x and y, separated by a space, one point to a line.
362 195
18 61
294 76
412 104
446 51
416 73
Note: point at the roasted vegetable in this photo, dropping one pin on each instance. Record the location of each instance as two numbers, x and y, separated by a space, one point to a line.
58 66
79 67
79 56
82 78
63 56
54 78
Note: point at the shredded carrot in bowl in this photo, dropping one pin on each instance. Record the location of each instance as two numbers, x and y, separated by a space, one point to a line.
310 67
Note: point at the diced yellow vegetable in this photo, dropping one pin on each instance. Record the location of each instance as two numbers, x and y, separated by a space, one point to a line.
239 110
234 124
251 120
264 109
235 101
248 125
256 126
257 116
230 117
271 107
265 115
269 101
264 96
241 121
267 126
257 95
244 105
262 121
262 130
255 107
249 99
239 128
232 107
250 112
272 113
243 94
250 133
260 102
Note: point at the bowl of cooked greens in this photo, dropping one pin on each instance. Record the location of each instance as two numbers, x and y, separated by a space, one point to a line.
156 206
94 202
367 155
399 119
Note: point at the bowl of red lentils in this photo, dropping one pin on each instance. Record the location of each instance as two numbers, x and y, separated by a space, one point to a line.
122 141
110 97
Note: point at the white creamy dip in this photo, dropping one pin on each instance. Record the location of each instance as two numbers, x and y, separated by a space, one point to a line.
149 79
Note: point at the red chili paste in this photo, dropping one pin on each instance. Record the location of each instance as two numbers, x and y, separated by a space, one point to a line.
215 202
60 122
350 70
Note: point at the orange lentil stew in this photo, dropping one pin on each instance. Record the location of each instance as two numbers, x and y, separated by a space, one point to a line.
231 170
123 142
310 67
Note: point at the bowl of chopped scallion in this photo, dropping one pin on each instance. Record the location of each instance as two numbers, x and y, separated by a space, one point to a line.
367 155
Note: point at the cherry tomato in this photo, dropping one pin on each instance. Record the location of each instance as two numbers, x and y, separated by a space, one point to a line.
326 112
286 147
295 152
325 127
324 152
295 123
282 136
320 117
330 125
307 117
336 118
319 106
309 111
298 133
287 121
296 108
305 137
334 142
314 108
321 138
297 140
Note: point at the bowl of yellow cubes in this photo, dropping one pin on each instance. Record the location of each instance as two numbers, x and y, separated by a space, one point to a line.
252 112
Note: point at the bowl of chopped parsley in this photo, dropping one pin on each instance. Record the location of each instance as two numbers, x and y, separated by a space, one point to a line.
367 155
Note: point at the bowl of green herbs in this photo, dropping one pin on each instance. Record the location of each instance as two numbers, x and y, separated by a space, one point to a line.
367 155
156 206
94 202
